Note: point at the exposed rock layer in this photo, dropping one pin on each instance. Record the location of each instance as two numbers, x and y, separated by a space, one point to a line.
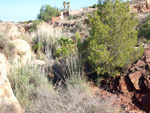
136 83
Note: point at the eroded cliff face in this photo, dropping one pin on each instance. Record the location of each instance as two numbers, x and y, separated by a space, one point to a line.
8 102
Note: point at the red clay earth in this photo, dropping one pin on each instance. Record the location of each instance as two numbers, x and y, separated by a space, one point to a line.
131 90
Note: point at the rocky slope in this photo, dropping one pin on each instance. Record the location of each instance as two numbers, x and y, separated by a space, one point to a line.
133 88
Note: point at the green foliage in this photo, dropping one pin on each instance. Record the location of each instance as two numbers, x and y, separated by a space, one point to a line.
68 5
144 29
37 46
1 21
112 37
78 41
64 4
40 42
94 6
66 47
35 23
72 17
47 12
77 37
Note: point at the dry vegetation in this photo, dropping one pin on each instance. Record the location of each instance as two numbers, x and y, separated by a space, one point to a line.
71 94
67 91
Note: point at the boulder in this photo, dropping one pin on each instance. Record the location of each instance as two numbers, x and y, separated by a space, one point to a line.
147 81
140 64
147 55
134 77
123 85
22 52
8 102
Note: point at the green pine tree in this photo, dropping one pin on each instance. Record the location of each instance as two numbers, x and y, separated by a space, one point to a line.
112 37
47 12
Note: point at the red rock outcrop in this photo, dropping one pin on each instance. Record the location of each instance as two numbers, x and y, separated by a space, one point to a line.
135 85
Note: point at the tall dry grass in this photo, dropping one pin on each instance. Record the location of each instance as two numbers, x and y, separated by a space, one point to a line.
25 81
72 93
69 92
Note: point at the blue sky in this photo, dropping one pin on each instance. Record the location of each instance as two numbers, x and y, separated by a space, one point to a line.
24 10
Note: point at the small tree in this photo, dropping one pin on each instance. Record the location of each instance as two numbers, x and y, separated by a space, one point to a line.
144 29
112 37
64 4
68 3
47 12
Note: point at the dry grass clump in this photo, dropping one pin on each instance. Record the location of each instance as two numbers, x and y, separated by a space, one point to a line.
77 98
25 80
72 93
45 38
6 46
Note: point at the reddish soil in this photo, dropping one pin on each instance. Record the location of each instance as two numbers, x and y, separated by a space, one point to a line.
131 90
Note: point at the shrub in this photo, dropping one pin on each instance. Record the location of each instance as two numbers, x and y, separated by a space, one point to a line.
1 21
66 47
47 12
25 80
144 29
112 37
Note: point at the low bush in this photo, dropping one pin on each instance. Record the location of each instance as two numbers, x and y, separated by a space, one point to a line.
66 47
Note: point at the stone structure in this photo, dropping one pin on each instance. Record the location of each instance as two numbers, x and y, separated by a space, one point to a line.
61 15
139 5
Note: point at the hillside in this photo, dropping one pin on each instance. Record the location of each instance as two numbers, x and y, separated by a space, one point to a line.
87 62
